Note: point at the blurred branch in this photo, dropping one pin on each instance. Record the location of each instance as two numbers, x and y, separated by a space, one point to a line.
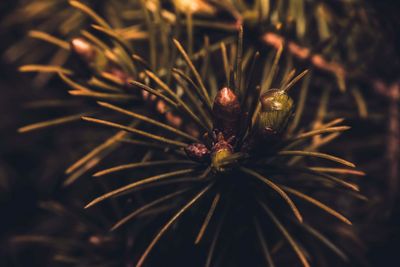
392 93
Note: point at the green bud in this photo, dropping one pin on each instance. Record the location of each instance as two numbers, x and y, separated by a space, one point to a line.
221 151
276 110
219 157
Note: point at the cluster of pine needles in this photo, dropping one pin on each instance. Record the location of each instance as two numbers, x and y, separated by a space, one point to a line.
200 93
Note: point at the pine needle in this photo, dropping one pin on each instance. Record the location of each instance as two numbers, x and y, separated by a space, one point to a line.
264 245
146 207
225 60
337 170
317 203
214 241
95 82
154 92
136 184
301 103
149 120
207 219
90 12
194 71
325 176
103 96
113 35
50 39
322 131
361 103
141 165
146 144
73 84
136 131
348 185
250 79
277 189
287 235
239 61
197 89
267 81
193 99
317 155
44 69
169 223
50 123
96 41
180 102
295 80
96 151
333 123
324 240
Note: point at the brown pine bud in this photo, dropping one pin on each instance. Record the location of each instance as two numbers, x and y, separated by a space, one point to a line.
83 48
197 152
173 119
226 111
122 76
194 7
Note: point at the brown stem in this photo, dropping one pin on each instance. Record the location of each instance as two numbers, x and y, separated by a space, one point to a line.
392 93
305 54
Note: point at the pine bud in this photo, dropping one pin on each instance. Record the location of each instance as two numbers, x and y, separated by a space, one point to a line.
83 48
276 110
197 152
226 111
194 7
118 74
86 52
221 150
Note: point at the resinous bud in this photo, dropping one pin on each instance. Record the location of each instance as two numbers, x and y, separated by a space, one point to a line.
226 112
200 7
87 52
83 48
276 110
197 152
